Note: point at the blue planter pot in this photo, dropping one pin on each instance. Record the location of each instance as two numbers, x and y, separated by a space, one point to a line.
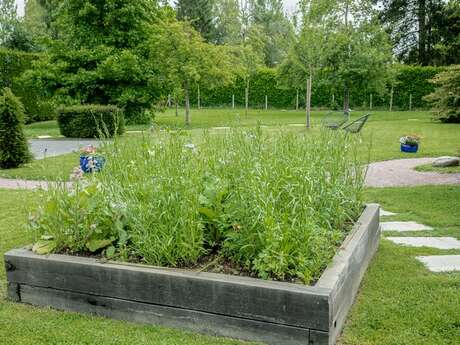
409 148
90 164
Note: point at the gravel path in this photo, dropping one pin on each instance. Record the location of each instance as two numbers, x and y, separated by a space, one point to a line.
22 184
400 173
55 147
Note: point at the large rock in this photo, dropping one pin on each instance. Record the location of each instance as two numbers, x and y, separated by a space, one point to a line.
446 161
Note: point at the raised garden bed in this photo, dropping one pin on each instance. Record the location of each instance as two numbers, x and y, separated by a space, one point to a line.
231 306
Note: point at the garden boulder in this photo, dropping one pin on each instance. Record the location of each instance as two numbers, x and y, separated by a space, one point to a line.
446 161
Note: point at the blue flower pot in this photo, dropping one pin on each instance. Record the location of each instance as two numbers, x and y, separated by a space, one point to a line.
409 148
90 164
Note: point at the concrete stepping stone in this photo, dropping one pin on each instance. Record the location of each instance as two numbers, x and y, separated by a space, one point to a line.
441 263
384 213
404 226
432 242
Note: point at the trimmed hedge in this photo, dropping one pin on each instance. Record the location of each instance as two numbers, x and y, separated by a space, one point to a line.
410 80
90 121
12 65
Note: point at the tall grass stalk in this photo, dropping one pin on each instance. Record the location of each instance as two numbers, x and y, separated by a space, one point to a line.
275 203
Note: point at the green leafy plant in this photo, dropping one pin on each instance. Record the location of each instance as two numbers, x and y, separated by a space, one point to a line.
275 204
14 150
90 121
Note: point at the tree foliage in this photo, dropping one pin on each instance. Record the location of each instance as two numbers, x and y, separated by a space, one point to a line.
446 98
200 14
423 31
187 60
101 56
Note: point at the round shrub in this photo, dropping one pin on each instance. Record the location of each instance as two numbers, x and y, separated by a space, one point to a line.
14 150
90 121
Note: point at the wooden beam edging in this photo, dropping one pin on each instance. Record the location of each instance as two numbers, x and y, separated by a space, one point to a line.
343 276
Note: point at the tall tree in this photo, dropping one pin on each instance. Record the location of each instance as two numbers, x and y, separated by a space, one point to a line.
361 54
276 28
8 20
101 55
228 22
418 28
200 13
187 59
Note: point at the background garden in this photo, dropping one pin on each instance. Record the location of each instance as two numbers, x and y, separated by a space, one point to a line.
208 102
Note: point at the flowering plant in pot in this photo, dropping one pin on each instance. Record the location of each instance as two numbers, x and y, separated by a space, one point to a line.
90 161
410 143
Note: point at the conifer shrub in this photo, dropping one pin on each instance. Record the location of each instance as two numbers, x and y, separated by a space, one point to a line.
14 150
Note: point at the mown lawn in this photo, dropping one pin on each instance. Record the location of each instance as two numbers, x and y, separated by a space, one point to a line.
51 169
382 132
400 302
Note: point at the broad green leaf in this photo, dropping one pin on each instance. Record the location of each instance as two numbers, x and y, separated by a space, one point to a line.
95 244
43 247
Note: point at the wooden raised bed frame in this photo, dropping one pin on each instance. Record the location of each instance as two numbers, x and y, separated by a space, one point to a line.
217 304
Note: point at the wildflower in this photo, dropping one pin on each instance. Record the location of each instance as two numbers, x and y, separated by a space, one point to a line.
77 174
88 150
190 146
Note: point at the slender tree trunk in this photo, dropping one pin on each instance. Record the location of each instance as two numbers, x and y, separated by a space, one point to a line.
187 103
391 98
297 100
233 101
421 14
246 97
308 101
177 107
346 99
199 98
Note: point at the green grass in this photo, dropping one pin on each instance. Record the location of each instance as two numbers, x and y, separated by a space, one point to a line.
42 128
445 170
50 169
401 302
383 130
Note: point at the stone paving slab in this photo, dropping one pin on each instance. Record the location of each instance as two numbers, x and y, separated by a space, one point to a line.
432 242
400 172
441 263
404 226
384 213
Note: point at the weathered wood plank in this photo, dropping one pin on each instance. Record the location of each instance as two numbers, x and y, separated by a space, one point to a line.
286 304
166 316
12 291
318 338
349 265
